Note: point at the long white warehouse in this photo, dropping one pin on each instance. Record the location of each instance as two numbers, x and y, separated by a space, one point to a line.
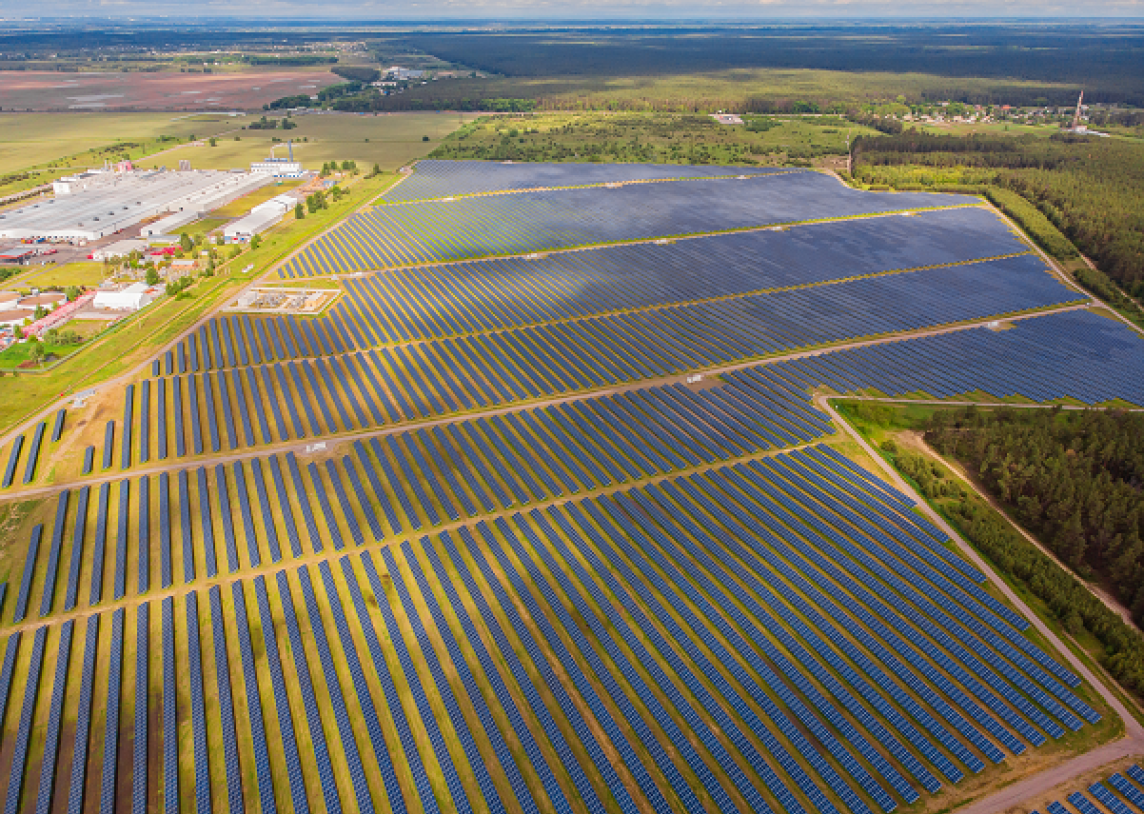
115 201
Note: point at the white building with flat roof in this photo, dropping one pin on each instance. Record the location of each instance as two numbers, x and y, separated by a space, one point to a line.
278 167
260 218
131 298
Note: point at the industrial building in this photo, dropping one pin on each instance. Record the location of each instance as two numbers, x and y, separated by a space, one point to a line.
131 298
103 203
279 167
261 218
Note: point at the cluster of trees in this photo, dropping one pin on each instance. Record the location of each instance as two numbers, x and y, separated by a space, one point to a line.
316 201
54 336
325 97
1092 189
330 167
1076 479
290 60
357 73
273 124
685 138
1069 600
1033 221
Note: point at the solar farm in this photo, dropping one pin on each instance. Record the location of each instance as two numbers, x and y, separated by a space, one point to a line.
544 513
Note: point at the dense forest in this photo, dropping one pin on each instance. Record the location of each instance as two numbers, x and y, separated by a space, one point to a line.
1108 62
1091 188
1076 607
650 138
1075 479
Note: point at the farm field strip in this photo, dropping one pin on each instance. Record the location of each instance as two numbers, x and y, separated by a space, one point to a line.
432 178
468 228
703 581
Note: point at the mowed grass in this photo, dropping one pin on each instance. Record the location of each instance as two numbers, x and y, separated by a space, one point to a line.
388 140
85 273
80 140
239 207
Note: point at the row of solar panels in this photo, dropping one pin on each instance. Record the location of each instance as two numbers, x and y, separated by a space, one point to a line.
430 380
432 178
710 637
231 420
1116 795
1081 356
31 462
437 301
566 356
465 228
419 478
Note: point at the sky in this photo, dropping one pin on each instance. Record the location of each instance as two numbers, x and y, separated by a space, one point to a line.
650 10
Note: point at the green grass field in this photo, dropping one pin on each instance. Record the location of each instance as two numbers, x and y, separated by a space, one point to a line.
390 141
30 142
714 90
88 273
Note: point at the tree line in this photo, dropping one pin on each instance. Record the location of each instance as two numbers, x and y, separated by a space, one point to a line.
1071 602
1092 189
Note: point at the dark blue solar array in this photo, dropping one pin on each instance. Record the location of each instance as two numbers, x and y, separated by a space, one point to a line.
83 718
13 459
432 178
1117 794
34 452
24 727
140 769
55 720
262 765
1078 355
170 710
436 301
111 710
450 375
226 704
433 231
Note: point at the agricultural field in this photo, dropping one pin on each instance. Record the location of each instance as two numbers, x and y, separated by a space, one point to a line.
391 141
87 273
570 530
39 147
160 90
